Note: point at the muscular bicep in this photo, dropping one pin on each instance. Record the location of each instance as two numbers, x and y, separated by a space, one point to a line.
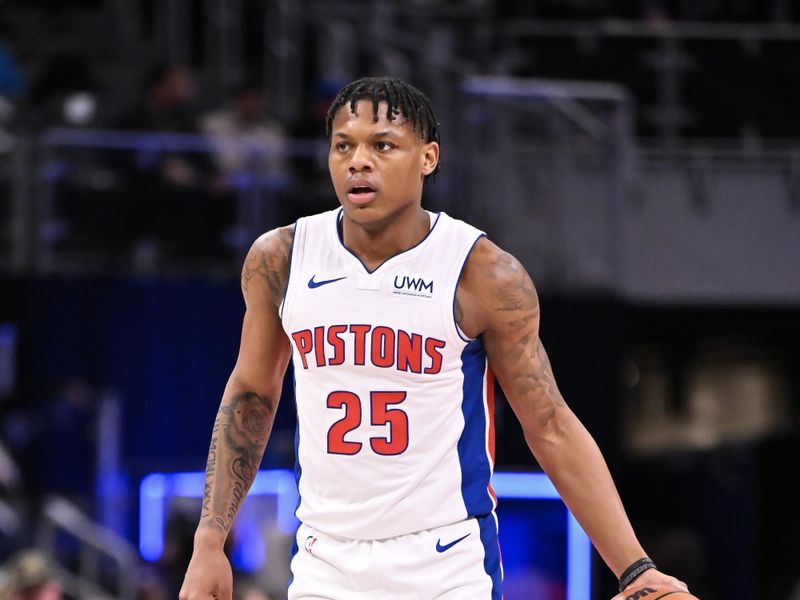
264 352
264 349
501 302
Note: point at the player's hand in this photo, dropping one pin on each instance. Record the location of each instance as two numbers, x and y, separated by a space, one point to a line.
209 576
654 577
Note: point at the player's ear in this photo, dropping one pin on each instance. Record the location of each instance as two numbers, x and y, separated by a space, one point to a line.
430 157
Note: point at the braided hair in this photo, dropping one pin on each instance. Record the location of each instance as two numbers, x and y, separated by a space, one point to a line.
401 98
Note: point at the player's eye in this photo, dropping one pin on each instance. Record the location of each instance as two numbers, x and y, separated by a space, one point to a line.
383 146
342 146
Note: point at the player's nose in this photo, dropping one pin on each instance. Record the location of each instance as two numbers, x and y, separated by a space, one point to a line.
361 160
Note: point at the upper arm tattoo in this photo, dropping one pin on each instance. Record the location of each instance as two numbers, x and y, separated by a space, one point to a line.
515 289
522 359
270 265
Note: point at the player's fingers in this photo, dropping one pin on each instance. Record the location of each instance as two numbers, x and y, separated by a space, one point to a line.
225 594
669 581
677 583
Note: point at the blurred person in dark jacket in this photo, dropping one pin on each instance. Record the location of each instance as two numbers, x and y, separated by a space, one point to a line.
53 438
171 205
166 105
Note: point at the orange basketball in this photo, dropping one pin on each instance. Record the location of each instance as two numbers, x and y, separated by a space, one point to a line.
655 592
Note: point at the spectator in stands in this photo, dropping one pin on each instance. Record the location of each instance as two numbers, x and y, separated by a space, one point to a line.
64 442
54 442
310 192
245 140
167 191
65 91
167 105
29 577
307 127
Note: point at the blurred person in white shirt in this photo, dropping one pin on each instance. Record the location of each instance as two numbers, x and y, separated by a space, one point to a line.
246 142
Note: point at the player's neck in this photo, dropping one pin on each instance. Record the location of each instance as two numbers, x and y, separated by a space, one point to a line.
377 243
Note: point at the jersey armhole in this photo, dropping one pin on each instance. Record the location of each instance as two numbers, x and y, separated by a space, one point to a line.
464 337
289 272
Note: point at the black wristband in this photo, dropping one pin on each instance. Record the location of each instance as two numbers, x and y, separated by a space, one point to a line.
632 572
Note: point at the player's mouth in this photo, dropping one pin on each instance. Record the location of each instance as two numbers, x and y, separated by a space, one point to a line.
360 191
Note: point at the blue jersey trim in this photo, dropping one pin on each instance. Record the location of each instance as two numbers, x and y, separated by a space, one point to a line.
288 270
341 241
492 561
298 471
455 290
476 471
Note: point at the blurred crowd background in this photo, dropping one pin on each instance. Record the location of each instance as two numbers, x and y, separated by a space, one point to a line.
642 157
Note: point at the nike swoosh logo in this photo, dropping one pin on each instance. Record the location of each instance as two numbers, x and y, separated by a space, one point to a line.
446 547
315 284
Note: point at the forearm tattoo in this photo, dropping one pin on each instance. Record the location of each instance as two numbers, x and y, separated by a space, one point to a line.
271 264
244 419
240 434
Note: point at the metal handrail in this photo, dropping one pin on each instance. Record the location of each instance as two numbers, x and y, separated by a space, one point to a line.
564 96
693 30
95 542
115 139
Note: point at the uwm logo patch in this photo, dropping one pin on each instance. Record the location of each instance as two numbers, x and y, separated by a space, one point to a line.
407 285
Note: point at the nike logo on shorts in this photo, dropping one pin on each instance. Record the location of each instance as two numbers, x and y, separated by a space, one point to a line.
315 284
446 547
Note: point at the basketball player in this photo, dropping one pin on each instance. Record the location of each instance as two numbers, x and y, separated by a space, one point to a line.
396 320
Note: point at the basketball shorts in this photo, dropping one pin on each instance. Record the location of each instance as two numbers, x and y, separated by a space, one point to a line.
454 562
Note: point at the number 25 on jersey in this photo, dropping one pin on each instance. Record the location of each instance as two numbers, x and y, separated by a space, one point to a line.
380 414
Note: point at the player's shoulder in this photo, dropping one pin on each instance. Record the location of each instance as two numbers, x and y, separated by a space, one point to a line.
489 263
276 244
266 266
493 285
276 241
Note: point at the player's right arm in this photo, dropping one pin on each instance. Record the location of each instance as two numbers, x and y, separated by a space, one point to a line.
245 415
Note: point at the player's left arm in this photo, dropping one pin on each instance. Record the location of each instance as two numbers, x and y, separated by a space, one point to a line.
497 302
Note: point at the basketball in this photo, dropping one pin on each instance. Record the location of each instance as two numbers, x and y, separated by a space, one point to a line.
655 592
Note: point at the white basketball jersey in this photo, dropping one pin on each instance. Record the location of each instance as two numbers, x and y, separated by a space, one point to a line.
394 404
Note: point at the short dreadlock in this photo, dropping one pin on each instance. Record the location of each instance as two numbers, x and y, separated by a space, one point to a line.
400 97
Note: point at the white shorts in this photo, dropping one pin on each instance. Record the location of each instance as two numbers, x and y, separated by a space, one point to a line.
454 562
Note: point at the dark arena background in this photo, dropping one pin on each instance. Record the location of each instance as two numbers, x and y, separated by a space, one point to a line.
642 159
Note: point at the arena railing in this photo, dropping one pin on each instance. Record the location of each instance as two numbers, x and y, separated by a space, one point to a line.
97 547
545 188
76 169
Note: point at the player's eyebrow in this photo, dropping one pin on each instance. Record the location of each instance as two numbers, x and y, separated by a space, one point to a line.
379 134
